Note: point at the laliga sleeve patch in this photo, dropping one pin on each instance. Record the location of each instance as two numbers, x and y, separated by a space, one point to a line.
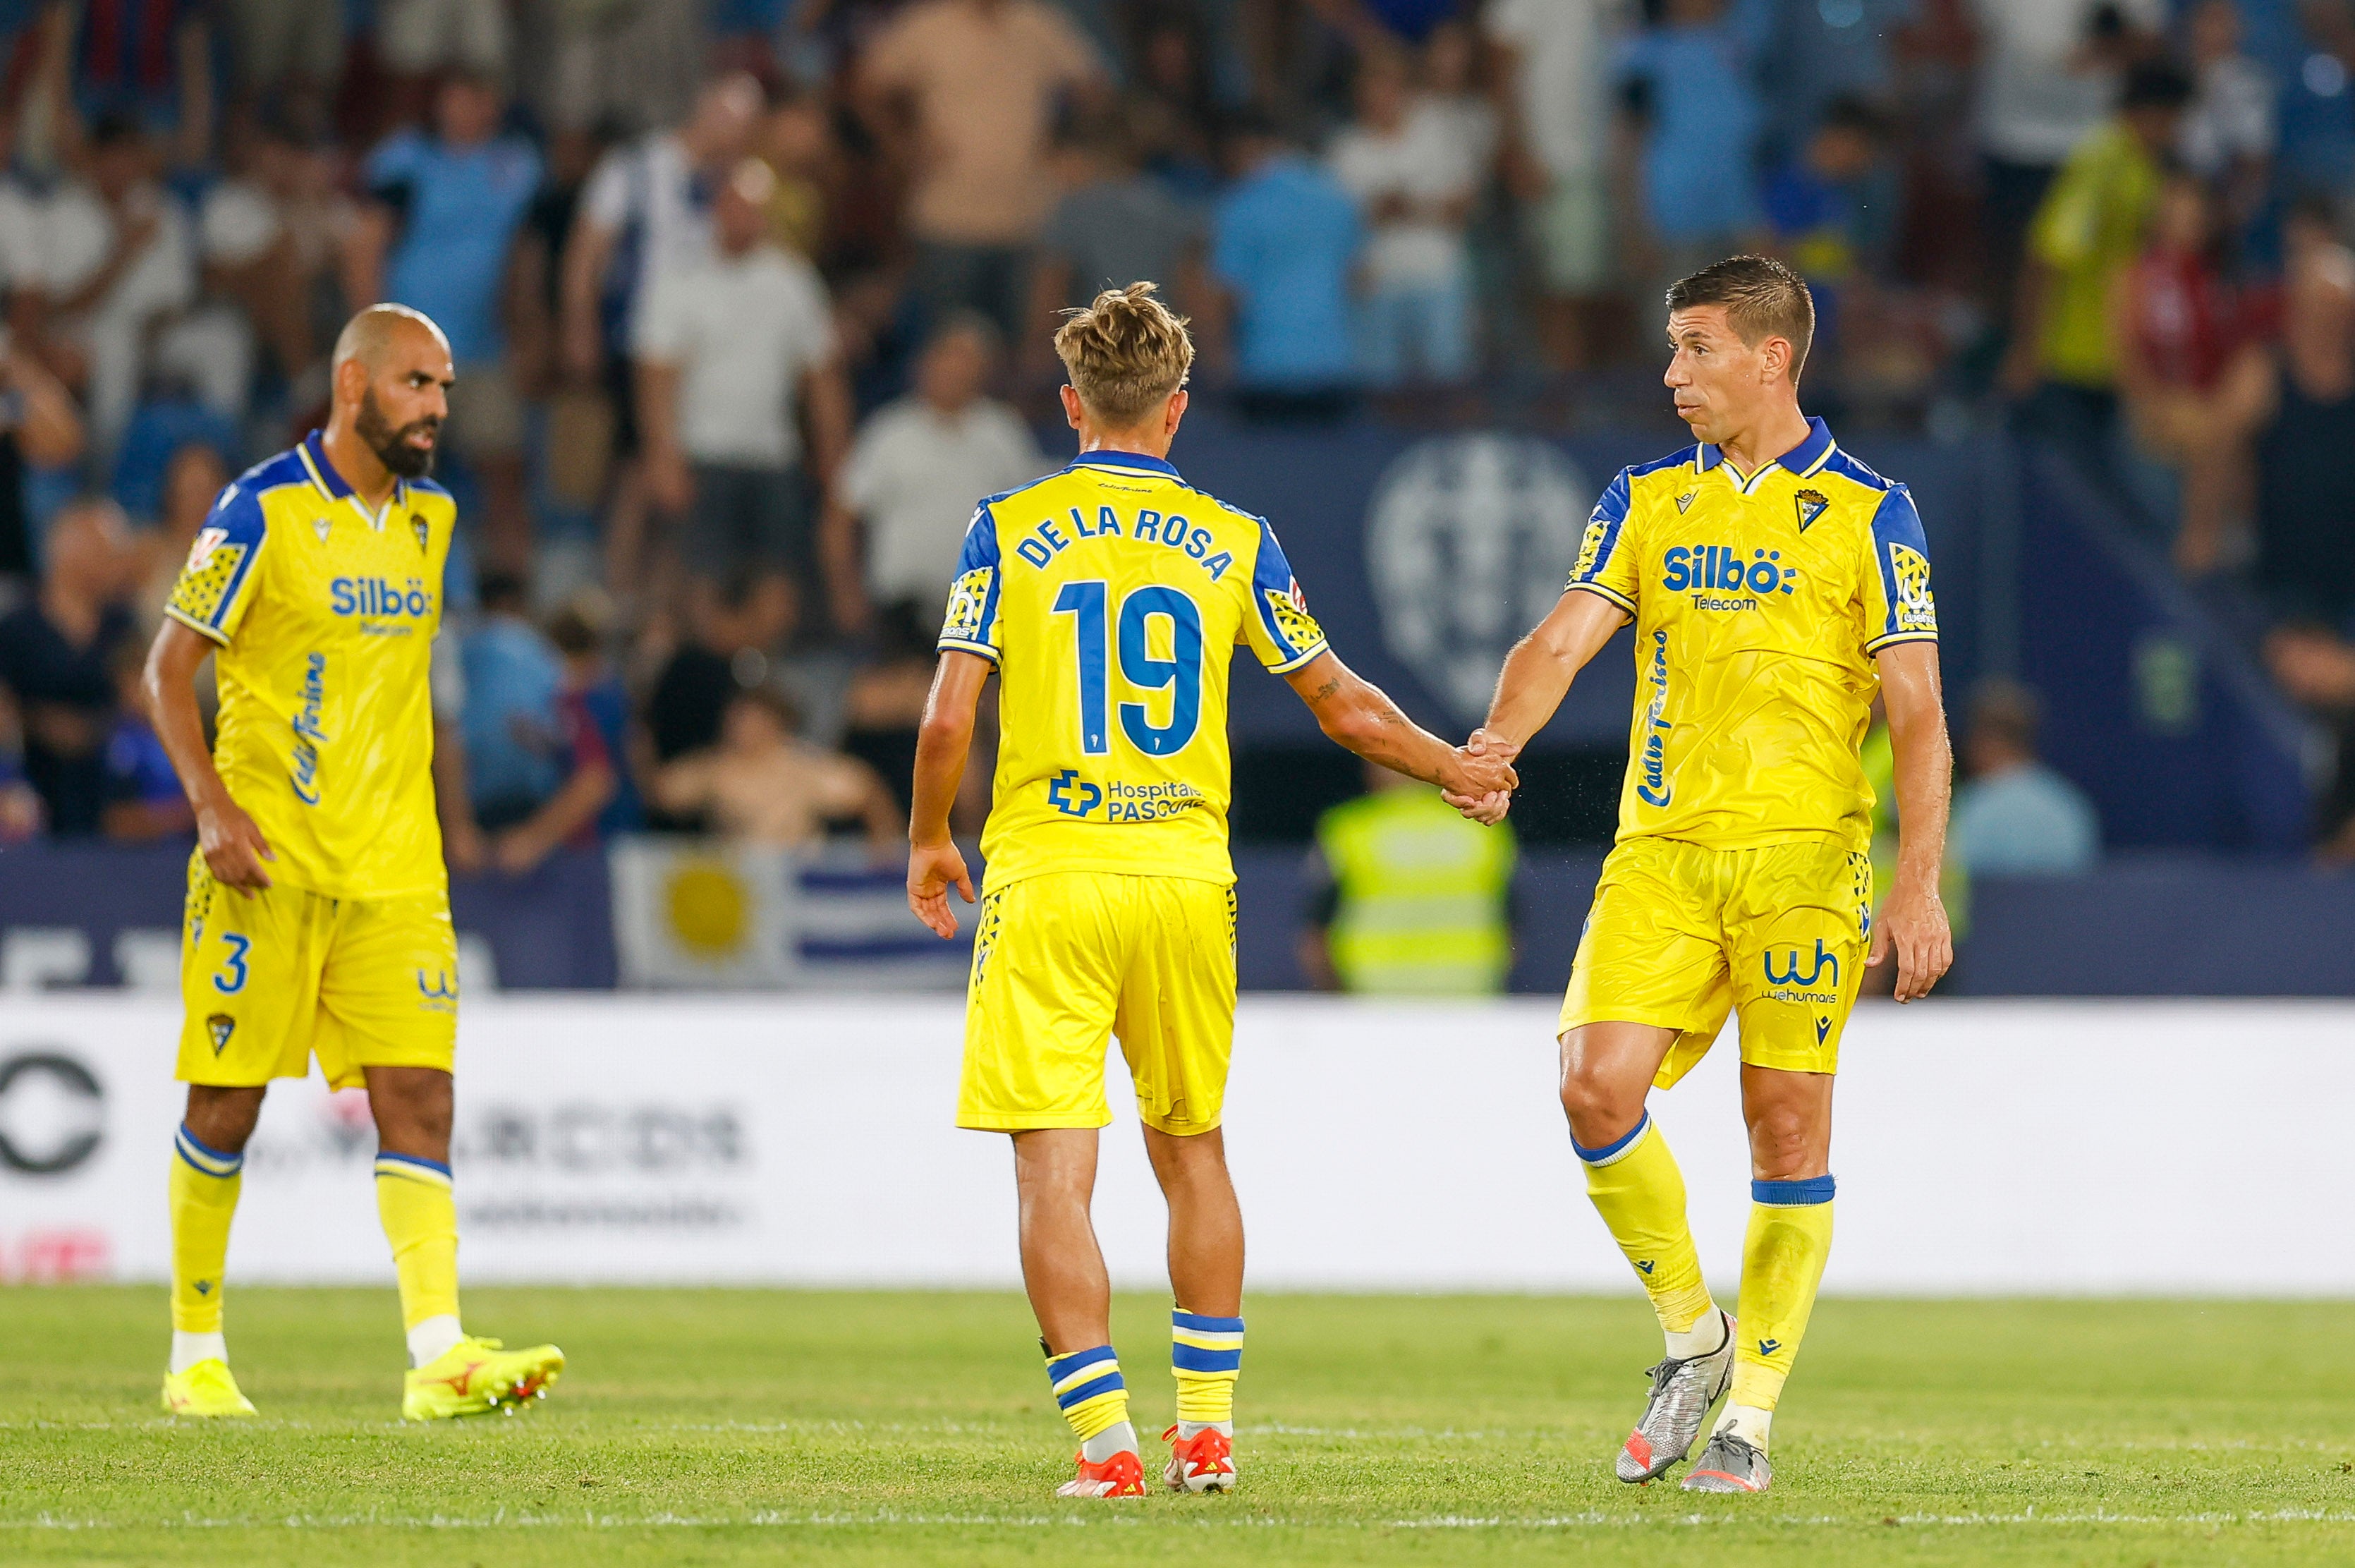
1914 609
968 601
1289 606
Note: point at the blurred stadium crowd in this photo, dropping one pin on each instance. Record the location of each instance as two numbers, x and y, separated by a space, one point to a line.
750 299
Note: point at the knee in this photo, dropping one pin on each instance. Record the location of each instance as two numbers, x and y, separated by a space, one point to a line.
223 1119
1784 1144
1599 1110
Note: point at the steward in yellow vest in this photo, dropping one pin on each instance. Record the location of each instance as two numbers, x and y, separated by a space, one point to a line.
1419 895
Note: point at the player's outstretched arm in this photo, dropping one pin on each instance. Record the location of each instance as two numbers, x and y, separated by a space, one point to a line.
233 847
942 741
1913 920
1536 677
1357 714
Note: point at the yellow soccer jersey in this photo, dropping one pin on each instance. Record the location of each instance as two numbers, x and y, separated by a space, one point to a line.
1759 604
1111 595
325 617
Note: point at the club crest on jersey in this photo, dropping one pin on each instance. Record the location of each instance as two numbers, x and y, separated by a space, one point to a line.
219 1027
418 526
1811 504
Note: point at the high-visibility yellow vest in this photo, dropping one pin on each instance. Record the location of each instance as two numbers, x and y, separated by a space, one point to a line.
1421 895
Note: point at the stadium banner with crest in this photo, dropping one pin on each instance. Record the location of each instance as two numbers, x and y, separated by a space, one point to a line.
1983 1147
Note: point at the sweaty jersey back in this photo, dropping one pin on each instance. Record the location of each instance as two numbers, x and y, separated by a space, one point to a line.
1111 596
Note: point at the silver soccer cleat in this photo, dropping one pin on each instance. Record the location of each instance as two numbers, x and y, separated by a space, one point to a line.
1682 1392
1730 1464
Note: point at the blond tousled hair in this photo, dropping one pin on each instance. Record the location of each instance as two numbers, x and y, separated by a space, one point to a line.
1125 353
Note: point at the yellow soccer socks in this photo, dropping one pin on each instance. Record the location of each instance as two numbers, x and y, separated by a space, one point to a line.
1781 1262
203 1189
1093 1397
1640 1194
1206 1355
421 1220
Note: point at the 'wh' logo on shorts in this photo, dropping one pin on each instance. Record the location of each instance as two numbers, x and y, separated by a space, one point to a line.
1072 797
1791 976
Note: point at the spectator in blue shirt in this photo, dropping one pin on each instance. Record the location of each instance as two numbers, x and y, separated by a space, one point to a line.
596 694
1833 213
2016 816
1689 86
144 800
439 234
1284 240
536 770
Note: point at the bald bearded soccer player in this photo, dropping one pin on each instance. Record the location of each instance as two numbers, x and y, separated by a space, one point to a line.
318 911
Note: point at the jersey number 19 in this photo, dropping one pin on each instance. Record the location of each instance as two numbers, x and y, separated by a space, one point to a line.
1089 605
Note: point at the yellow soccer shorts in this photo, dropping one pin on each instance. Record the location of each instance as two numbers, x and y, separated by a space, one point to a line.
270 978
1064 960
1680 935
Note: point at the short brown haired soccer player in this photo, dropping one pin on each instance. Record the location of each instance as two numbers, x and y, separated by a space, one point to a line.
1775 584
1108 598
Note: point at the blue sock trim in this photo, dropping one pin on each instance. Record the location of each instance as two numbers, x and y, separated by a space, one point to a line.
1105 1384
200 1156
1190 1358
1061 1366
434 1166
1200 1324
1617 1148
1792 1194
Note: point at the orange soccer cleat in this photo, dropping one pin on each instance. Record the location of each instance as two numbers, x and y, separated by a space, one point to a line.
1202 1463
1121 1476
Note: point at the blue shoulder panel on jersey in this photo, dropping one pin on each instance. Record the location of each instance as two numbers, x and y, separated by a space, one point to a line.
286 468
1676 459
970 624
1903 552
1272 574
237 512
1848 467
980 547
1610 515
430 486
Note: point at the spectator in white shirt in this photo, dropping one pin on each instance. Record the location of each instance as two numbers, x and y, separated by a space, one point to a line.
268 236
1414 168
2048 72
641 213
906 495
734 354
645 208
1553 87
2228 133
120 265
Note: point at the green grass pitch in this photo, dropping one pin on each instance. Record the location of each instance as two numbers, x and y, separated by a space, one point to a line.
712 1426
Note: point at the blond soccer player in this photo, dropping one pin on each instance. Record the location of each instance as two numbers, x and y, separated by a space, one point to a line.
1775 584
318 910
1108 598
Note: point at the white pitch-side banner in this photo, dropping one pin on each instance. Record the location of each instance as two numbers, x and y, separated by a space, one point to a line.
1981 1146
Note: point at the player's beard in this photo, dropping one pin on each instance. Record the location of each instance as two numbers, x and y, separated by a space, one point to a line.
391 446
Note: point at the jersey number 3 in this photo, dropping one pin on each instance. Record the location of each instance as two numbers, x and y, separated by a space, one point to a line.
1089 605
